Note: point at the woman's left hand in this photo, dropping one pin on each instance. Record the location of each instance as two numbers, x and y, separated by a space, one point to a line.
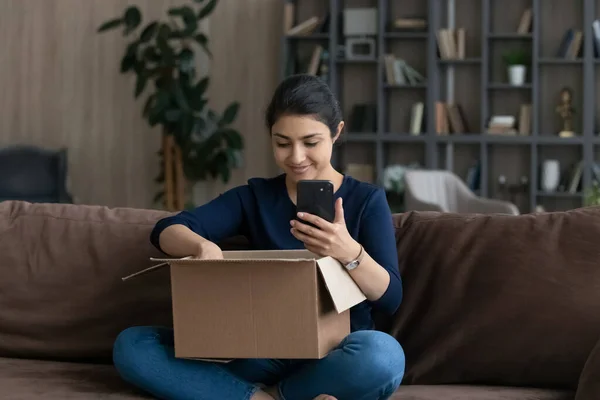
328 238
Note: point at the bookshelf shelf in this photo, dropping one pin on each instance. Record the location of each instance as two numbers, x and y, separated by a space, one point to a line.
460 61
396 86
352 61
477 82
510 36
560 194
507 86
402 138
314 36
406 35
559 61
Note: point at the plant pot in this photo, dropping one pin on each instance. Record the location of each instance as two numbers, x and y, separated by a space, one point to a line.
516 74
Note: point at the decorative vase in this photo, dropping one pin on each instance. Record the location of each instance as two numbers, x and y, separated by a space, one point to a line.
516 74
550 175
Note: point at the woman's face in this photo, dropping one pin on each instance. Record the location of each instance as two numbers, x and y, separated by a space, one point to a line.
302 146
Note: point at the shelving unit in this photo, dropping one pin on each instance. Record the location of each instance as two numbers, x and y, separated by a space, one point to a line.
478 83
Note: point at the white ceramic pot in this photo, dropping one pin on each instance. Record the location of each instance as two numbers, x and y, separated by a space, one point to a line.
516 74
550 175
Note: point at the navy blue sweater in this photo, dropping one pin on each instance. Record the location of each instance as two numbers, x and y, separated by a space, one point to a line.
261 211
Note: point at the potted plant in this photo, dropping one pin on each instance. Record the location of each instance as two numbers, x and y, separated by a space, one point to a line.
592 197
393 182
516 61
198 143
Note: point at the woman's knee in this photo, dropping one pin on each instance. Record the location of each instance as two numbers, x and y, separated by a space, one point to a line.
378 352
134 347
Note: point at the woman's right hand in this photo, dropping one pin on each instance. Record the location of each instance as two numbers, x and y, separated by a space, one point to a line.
209 251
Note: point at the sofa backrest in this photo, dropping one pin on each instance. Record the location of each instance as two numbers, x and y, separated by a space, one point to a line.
503 300
61 293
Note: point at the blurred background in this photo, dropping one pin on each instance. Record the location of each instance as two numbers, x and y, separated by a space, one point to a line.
451 105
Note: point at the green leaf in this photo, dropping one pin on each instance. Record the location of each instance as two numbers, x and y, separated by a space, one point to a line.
232 137
207 9
189 19
173 115
149 32
212 115
166 51
186 60
180 98
229 114
133 18
113 23
128 62
148 106
162 102
164 31
202 40
201 87
198 1
151 54
140 84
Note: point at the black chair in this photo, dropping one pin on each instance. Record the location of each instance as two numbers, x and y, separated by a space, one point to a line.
34 174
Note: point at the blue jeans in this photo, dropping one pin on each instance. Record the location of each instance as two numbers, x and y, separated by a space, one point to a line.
366 365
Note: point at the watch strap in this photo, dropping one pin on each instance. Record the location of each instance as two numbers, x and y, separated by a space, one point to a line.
356 262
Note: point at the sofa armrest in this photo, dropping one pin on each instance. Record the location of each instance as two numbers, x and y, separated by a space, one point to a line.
490 206
588 387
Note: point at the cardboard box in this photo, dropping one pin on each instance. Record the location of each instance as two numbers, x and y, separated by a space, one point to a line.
259 304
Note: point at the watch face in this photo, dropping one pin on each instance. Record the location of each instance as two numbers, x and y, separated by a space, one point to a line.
352 265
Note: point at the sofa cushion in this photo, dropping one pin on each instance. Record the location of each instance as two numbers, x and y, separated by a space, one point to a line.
31 379
49 380
463 392
61 293
498 299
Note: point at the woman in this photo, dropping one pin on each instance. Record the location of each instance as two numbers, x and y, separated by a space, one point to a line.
304 121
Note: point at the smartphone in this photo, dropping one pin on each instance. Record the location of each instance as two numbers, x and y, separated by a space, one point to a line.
316 197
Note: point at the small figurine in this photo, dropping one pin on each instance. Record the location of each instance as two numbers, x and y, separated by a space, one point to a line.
565 110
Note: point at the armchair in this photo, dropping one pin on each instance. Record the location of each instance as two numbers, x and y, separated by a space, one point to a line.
443 191
33 174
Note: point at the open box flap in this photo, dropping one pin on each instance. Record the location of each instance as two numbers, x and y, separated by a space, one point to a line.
344 292
163 262
232 255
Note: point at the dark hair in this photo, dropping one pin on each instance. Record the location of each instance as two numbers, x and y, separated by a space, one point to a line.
304 94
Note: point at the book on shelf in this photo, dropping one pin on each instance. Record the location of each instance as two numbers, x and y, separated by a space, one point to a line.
571 45
315 62
571 179
525 22
450 118
525 119
417 119
502 125
452 43
409 24
596 37
307 27
399 72
507 124
363 118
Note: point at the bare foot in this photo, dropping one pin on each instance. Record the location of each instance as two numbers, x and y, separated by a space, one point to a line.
324 397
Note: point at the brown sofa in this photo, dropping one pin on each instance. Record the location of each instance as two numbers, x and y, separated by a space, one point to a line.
495 307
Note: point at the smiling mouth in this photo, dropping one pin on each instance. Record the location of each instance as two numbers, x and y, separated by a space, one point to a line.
299 170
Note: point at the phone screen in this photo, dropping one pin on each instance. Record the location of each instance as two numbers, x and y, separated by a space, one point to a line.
316 197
